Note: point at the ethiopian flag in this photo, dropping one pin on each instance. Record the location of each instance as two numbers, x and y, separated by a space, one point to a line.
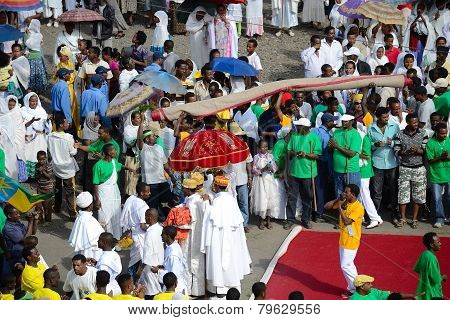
14 193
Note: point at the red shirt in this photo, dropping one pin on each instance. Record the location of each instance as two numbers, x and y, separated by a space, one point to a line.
402 6
392 54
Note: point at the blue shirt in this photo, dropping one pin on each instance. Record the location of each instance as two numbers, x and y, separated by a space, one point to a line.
383 157
94 100
153 67
61 99
13 233
103 89
325 135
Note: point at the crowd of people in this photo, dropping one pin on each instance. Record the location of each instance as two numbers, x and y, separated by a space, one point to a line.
379 151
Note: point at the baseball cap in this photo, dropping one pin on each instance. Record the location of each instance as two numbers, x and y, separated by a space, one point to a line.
96 79
326 117
302 122
157 55
353 51
440 83
347 117
360 279
101 69
62 72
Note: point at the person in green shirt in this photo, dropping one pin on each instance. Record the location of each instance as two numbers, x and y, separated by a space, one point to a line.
346 145
104 137
322 107
365 290
106 191
428 269
2 162
304 149
438 155
280 154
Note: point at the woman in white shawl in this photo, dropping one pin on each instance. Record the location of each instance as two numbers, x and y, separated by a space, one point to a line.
197 26
130 132
377 57
223 34
7 137
161 33
407 61
419 36
33 40
38 125
89 136
21 68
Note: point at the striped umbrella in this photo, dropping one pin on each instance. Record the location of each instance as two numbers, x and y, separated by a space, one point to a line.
19 5
80 15
398 2
383 12
349 8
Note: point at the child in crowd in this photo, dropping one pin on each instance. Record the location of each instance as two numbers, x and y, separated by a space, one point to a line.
263 191
253 58
8 285
259 290
45 184
128 73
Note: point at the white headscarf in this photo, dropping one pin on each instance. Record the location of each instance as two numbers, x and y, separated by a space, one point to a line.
35 37
21 67
90 132
38 113
194 25
400 66
6 121
160 34
19 127
374 61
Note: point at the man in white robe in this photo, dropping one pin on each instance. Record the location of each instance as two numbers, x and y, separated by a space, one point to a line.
285 15
86 230
331 49
153 254
68 37
197 26
224 243
173 259
195 275
133 220
109 261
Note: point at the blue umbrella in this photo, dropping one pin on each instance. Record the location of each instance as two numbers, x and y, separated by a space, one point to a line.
9 33
161 80
233 66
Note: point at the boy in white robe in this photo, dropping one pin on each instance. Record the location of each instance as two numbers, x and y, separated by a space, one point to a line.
133 221
153 255
109 261
86 230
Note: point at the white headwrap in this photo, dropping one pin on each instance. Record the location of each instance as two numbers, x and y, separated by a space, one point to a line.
89 131
19 127
374 61
160 34
21 67
400 66
194 25
38 113
84 200
35 37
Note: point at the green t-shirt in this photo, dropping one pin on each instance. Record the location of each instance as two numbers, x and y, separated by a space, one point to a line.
2 162
98 145
367 170
302 167
348 139
430 280
439 171
103 170
257 110
280 153
374 294
322 108
2 224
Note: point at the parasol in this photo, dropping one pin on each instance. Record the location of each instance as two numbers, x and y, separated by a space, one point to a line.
80 15
9 33
161 80
349 8
19 5
233 66
398 2
208 149
383 12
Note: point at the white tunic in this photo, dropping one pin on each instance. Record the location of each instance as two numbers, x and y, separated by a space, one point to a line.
224 243
153 255
81 286
175 262
332 54
110 261
285 13
69 40
313 62
61 147
84 235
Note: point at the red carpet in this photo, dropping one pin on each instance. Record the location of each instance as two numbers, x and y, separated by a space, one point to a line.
311 265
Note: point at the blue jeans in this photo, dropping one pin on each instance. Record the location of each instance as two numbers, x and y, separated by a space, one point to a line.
133 269
342 179
242 198
323 191
441 200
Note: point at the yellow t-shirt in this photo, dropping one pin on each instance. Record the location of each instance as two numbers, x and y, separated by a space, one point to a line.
33 278
47 294
168 295
126 297
98 296
368 119
6 296
354 211
184 135
5 75
286 121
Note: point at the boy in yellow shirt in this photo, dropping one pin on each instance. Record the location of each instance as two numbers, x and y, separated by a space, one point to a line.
101 281
126 285
8 285
51 282
351 213
33 273
170 282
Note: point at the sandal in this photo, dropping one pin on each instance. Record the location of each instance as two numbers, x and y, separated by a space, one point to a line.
401 223
261 226
415 224
269 225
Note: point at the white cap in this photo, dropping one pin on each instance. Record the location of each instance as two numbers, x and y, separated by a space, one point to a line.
302 122
283 132
347 117
84 200
440 83
353 51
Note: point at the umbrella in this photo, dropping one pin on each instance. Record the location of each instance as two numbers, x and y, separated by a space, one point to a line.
208 149
348 8
129 99
189 6
383 12
80 15
398 2
19 5
8 33
161 80
233 66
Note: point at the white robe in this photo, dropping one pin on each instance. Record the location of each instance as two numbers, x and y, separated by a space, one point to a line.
195 275
174 262
110 261
225 246
84 235
198 37
7 139
133 214
153 255
70 40
285 13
